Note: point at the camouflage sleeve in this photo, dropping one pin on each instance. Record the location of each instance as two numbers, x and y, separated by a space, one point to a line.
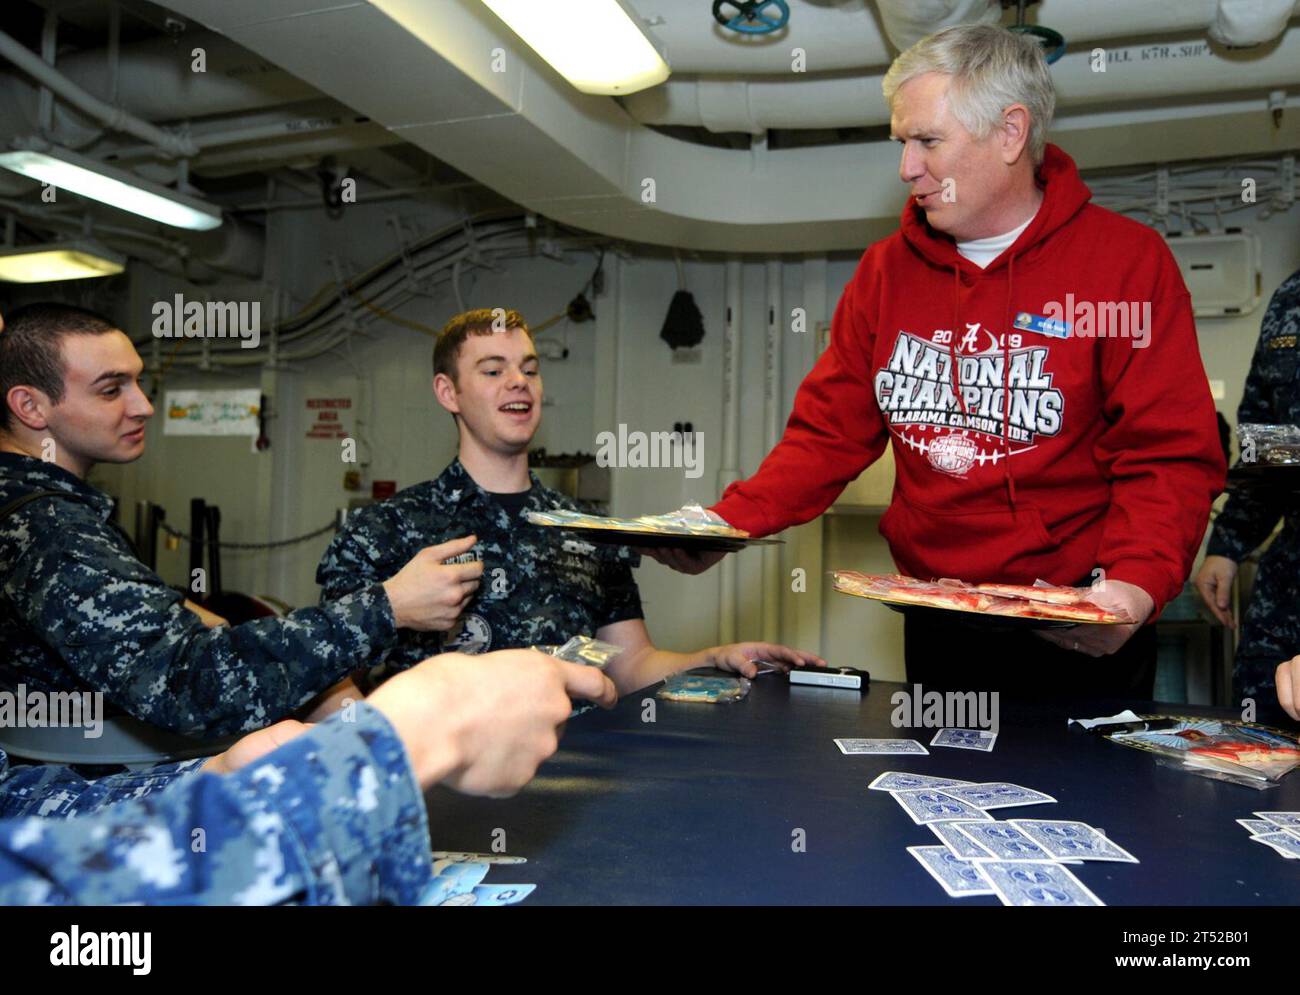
1249 515
333 817
53 791
367 550
120 629
622 598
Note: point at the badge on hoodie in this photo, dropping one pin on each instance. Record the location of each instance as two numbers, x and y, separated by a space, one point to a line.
953 453
1042 325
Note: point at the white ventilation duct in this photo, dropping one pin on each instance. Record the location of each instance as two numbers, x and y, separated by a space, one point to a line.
584 161
847 35
1246 23
1184 67
908 21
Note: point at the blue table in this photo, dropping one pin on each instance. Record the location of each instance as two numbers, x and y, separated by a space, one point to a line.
701 806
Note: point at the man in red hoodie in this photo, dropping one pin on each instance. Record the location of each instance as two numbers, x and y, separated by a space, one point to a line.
1005 284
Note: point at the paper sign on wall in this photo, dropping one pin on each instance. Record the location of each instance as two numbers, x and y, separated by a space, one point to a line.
325 421
212 412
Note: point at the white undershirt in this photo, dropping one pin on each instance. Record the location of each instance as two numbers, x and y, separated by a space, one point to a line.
982 251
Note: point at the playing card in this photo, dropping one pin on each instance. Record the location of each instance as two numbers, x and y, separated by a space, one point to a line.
927 805
1003 841
442 863
462 857
893 780
456 878
493 894
959 878
1283 843
999 794
1072 840
965 739
1283 820
881 746
1257 826
1020 883
961 845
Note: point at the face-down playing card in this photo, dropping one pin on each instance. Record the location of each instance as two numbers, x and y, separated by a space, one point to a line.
927 805
965 739
1023 883
1003 841
959 878
894 780
1072 840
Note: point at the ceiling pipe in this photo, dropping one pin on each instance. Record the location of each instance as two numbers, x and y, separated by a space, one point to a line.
590 165
1140 72
112 117
848 34
155 81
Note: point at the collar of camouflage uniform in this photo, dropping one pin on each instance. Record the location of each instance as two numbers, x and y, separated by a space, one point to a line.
34 474
456 479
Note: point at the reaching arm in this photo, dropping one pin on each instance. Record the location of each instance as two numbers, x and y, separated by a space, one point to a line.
835 432
332 817
642 663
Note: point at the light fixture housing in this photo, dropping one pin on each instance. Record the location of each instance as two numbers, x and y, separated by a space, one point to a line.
67 170
75 260
599 46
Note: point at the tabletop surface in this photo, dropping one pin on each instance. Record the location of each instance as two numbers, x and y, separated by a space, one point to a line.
702 805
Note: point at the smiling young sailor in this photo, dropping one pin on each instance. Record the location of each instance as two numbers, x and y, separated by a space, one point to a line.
79 613
1033 361
538 586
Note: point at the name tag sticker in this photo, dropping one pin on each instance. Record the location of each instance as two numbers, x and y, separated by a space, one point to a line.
1042 325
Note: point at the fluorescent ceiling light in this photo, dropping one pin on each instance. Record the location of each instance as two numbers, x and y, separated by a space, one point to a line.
118 188
58 261
597 45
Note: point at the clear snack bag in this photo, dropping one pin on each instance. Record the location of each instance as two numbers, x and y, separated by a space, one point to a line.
584 650
1277 445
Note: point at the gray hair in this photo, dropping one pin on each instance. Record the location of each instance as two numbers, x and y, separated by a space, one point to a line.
991 69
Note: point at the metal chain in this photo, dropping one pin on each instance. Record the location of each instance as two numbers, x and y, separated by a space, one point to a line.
176 534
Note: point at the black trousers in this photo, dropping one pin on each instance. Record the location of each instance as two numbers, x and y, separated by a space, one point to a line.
1020 665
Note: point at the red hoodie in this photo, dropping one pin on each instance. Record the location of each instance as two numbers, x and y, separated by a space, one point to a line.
1112 455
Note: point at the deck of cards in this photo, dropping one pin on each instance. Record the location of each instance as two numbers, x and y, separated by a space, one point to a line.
458 880
1020 861
1279 830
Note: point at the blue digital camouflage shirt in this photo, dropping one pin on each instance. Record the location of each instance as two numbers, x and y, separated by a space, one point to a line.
1270 631
539 585
57 791
79 612
333 817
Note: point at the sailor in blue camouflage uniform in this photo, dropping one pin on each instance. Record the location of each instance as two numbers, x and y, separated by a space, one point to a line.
333 817
539 585
326 814
1270 631
537 589
79 612
60 791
